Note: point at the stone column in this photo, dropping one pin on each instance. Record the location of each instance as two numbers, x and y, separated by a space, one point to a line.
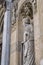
6 36
28 48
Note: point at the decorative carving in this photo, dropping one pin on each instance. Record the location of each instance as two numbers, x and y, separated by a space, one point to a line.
27 10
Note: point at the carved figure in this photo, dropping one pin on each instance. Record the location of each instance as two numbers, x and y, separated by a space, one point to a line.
28 45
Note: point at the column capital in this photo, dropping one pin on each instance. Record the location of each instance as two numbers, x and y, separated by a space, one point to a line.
8 5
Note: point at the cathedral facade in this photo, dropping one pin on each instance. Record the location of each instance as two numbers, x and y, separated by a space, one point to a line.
26 47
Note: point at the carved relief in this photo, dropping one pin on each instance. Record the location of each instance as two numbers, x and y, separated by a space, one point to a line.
27 10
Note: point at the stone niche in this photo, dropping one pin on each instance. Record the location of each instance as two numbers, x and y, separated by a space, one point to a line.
26 15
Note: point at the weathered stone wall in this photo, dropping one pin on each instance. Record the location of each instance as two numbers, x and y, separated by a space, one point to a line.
13 53
39 32
41 27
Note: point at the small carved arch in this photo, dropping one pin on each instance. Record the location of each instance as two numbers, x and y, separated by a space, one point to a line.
32 5
26 10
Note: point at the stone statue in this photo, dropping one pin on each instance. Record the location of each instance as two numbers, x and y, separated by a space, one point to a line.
28 44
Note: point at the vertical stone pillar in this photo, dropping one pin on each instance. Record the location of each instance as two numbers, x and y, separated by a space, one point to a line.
28 48
6 36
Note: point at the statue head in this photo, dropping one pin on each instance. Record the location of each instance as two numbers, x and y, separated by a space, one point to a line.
26 21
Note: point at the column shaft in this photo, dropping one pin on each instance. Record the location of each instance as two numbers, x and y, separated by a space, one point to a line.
6 39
